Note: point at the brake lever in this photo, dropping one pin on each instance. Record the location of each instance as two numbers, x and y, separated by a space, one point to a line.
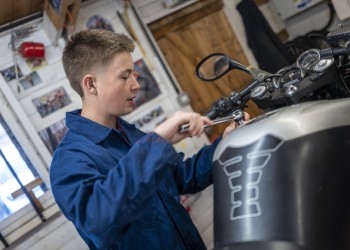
237 116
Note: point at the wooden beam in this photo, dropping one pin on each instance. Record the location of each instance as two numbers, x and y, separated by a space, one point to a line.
30 186
259 2
184 17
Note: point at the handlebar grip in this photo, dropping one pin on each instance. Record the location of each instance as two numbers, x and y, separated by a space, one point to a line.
225 105
334 52
211 115
341 51
326 52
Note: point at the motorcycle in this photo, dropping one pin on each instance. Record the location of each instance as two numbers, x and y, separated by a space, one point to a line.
281 180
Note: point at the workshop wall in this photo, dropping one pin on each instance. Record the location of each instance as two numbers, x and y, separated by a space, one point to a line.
42 95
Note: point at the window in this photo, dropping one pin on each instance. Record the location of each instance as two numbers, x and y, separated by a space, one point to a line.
21 165
18 177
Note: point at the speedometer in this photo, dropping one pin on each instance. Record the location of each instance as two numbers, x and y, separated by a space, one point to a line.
308 58
290 76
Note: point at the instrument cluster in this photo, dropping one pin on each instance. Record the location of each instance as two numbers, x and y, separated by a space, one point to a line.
304 63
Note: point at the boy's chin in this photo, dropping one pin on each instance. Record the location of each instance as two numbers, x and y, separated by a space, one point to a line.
126 112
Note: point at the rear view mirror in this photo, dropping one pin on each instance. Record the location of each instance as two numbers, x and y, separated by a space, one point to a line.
213 67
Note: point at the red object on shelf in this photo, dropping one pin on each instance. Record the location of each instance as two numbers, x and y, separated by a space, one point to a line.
32 50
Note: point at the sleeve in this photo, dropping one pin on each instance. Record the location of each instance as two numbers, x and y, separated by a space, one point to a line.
195 174
102 205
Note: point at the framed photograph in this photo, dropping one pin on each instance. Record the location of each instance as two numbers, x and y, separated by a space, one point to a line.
149 88
51 101
52 135
9 73
30 80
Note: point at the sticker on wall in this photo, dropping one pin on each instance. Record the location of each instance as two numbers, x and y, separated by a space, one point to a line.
150 120
56 5
99 22
36 63
52 135
52 101
302 4
149 88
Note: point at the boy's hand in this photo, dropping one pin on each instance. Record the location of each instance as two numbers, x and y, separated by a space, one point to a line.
169 129
234 125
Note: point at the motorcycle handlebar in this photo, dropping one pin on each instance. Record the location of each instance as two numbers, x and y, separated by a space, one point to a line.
231 103
330 52
246 91
211 114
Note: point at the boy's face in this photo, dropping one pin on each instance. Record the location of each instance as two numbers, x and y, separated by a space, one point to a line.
117 86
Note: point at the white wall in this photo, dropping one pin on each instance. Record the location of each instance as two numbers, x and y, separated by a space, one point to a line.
58 233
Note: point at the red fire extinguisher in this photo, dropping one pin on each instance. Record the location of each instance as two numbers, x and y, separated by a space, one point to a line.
32 50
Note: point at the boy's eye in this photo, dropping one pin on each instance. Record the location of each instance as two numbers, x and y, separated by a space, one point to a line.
125 77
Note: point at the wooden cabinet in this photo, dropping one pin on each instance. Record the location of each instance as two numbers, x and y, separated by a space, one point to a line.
190 34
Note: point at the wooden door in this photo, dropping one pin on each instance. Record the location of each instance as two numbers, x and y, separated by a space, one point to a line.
187 36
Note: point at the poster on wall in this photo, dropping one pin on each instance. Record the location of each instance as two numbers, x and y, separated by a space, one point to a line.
99 22
25 81
149 88
301 4
150 120
51 101
98 15
52 135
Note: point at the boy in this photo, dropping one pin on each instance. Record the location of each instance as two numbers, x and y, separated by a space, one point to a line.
119 186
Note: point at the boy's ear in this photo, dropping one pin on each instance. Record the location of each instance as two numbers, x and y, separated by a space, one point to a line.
89 84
